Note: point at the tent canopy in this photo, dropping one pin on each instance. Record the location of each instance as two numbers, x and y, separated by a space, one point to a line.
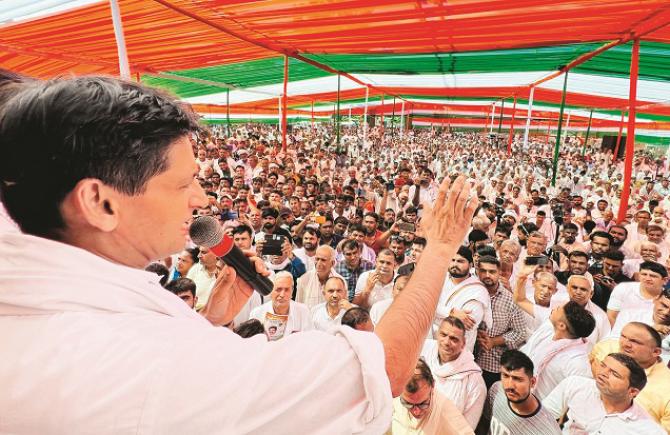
445 60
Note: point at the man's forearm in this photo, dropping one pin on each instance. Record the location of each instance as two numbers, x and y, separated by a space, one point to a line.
403 328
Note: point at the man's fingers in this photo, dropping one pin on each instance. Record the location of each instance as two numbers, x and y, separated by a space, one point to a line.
442 193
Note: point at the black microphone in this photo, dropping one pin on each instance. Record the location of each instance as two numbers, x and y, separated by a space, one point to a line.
206 231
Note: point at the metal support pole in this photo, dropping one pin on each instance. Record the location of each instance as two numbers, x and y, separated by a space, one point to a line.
402 119
124 66
557 147
528 117
588 131
511 129
630 132
228 111
392 121
502 112
337 123
365 116
493 116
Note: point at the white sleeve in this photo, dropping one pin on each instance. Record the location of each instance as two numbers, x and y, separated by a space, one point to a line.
477 311
557 401
475 400
243 384
360 283
616 298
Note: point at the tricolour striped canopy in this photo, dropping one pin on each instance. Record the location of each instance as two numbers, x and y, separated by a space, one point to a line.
443 62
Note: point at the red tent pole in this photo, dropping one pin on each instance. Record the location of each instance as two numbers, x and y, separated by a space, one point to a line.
511 129
618 139
630 139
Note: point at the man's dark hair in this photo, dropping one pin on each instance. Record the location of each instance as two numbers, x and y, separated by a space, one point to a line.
249 328
355 316
464 252
160 270
655 336
620 226
421 373
513 359
578 254
655 267
503 229
357 227
312 231
581 322
477 236
570 226
350 244
614 255
489 259
373 215
637 378
342 220
181 285
486 250
83 127
455 322
603 235
420 241
243 228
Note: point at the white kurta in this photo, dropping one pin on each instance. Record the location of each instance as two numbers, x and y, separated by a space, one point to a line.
469 294
90 346
459 380
299 318
573 360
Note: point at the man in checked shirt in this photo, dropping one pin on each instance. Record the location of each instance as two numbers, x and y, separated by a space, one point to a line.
508 330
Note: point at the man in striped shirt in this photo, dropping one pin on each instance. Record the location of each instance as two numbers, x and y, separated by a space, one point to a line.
511 407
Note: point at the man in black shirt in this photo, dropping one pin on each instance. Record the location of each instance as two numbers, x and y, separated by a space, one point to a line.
606 275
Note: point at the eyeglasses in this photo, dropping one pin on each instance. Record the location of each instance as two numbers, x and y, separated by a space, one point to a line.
422 405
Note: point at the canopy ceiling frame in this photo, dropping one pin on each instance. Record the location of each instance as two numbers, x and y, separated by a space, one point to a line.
295 54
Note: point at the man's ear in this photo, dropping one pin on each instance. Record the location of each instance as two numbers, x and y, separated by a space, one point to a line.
94 203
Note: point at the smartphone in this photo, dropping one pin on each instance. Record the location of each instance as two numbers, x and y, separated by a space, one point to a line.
320 220
272 244
406 227
390 186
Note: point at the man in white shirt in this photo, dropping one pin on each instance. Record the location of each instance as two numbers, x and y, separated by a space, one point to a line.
312 283
307 254
376 285
558 348
329 313
281 316
456 373
604 405
378 309
637 295
580 290
203 274
111 216
465 297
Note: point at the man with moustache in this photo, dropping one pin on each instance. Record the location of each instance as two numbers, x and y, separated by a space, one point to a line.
464 297
512 408
508 330
329 314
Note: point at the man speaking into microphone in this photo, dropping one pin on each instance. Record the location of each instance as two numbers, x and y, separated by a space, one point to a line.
92 344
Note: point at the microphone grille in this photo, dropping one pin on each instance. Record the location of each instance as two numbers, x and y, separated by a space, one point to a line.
206 231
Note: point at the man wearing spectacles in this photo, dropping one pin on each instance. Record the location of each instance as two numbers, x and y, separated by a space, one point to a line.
420 409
